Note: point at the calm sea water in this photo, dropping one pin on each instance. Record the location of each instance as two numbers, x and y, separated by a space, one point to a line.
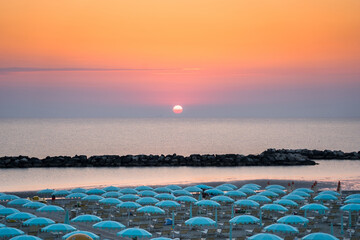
43 137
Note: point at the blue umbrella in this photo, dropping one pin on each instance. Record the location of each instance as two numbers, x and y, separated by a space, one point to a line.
275 186
203 186
268 193
222 199
214 192
353 200
293 219
244 219
330 192
319 236
229 185
194 189
260 199
162 238
162 190
186 199
86 218
278 191
235 193
350 208
8 211
174 187
38 221
129 205
167 204
1 207
286 202
34 205
111 189
247 191
294 197
282 228
110 201
246 203
207 203
274 207
151 210
224 188
92 198
252 186
148 193
58 227
2 225
18 202
50 208
142 188
9 197
265 236
46 191
182 192
78 190
325 197
128 191
129 197
61 193
165 196
307 190
90 234
10 232
356 195
95 191
200 221
20 216
76 196
109 225
134 233
314 207
147 201
25 237
301 193
111 195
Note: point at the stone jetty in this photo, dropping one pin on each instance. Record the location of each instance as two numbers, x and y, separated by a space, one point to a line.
270 157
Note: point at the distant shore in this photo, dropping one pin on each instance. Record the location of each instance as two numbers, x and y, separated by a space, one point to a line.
270 157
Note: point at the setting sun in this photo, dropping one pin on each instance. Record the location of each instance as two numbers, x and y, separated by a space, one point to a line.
177 109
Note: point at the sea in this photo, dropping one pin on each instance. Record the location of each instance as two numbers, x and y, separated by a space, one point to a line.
183 136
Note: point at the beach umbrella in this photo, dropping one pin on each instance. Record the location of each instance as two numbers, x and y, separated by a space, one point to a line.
174 187
163 190
319 236
186 199
34 205
46 191
260 199
150 210
147 201
268 193
247 191
294 197
90 234
128 191
330 192
200 221
167 204
111 189
194 189
5 198
325 197
95 191
229 185
110 201
129 197
18 202
274 207
356 195
25 237
203 186
165 196
2 225
214 192
38 221
282 228
109 225
20 216
1 207
58 227
307 190
293 219
244 219
209 203
134 233
246 203
92 198
86 218
10 232
61 193
353 200
142 188
223 199
251 186
265 236
277 191
314 207
286 202
8 211
50 208
76 196
148 193
301 194
182 192
111 195
129 205
78 190
350 208
224 188
275 186
235 194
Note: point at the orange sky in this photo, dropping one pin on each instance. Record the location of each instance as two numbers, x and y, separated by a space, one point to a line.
191 46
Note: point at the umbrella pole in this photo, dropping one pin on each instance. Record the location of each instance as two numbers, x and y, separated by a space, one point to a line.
260 218
349 219
230 233
232 210
332 229
342 224
190 210
216 218
173 219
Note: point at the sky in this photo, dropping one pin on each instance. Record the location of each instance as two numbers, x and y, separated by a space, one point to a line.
233 58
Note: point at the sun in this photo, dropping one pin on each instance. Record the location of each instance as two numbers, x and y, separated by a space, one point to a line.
177 109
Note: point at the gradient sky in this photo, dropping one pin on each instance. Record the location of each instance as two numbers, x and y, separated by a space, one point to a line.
138 58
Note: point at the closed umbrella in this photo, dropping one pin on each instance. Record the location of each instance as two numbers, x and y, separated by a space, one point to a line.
90 234
10 232
134 233
38 221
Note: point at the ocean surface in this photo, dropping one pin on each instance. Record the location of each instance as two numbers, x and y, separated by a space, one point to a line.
53 137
